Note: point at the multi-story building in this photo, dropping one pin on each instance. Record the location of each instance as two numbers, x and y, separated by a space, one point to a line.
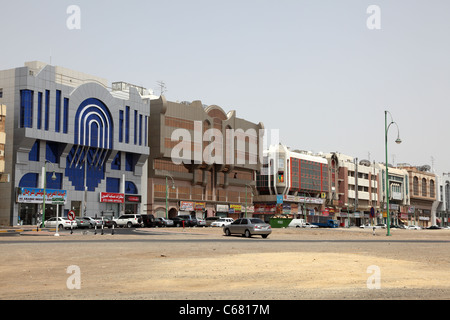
3 177
422 186
292 182
399 195
74 139
443 208
355 189
202 161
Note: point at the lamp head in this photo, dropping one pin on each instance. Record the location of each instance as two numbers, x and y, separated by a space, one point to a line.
398 141
53 176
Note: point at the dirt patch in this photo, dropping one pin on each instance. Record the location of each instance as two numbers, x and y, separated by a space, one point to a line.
201 263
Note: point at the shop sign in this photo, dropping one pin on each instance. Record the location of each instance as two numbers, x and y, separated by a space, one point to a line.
222 208
112 197
199 206
186 206
235 208
133 198
34 195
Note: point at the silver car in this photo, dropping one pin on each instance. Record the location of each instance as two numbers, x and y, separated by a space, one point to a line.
248 227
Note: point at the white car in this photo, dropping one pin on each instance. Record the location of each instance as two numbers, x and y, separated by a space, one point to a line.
222 222
128 220
201 222
62 223
414 227
309 225
94 222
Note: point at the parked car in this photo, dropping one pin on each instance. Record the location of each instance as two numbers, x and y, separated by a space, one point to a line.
189 221
381 225
434 227
163 222
222 222
248 227
62 223
210 220
148 220
108 222
414 227
82 223
297 223
128 220
201 222
93 222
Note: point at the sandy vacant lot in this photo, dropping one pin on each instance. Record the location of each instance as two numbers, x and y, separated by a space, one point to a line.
202 263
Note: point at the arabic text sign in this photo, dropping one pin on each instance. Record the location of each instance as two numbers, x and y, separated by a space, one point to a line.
35 195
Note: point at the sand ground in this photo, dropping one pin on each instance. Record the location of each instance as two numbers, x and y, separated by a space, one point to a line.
202 263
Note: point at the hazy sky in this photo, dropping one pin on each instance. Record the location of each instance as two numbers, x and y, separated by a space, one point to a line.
312 69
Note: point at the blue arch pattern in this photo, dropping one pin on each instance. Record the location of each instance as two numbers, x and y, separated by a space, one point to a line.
94 125
92 146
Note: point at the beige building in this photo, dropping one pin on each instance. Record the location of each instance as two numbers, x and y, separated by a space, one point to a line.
3 176
422 186
203 158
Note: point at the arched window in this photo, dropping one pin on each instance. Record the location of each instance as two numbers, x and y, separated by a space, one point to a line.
424 187
432 189
416 186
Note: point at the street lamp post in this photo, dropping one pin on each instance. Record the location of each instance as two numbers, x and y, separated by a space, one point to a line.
246 198
398 141
167 191
45 193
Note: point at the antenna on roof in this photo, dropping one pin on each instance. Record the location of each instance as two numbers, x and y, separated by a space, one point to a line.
162 87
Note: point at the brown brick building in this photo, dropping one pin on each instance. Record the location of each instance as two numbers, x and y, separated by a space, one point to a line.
205 159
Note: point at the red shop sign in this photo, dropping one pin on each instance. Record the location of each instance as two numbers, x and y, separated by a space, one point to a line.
112 197
131 198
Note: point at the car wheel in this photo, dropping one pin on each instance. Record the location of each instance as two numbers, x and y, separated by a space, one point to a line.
227 232
60 227
264 236
247 234
129 224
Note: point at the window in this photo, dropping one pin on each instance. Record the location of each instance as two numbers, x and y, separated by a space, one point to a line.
26 108
129 162
39 111
416 186
47 109
52 152
115 164
135 126
66 116
432 187
424 187
140 129
34 152
58 111
120 125
127 125
145 131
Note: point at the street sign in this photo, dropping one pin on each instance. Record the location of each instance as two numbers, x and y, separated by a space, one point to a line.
71 215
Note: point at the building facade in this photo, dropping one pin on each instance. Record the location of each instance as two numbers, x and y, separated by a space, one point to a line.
423 195
355 189
399 195
294 183
74 139
202 162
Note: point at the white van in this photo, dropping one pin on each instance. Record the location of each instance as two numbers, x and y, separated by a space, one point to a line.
297 223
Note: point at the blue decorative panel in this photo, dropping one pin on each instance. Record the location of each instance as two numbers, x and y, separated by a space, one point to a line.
94 125
26 108
29 180
113 185
33 155
130 188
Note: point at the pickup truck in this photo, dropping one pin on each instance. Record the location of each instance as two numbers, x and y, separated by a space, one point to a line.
323 221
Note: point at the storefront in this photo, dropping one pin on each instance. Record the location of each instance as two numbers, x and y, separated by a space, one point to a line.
31 201
132 203
111 203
